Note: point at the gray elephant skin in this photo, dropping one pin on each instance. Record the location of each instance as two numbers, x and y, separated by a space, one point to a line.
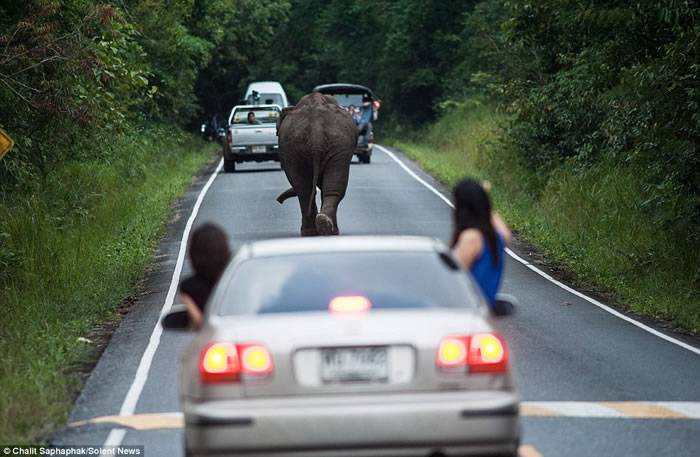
316 142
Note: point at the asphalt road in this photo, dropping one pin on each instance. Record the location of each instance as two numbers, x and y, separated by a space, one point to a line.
592 383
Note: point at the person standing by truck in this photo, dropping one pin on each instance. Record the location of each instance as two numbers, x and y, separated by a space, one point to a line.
364 123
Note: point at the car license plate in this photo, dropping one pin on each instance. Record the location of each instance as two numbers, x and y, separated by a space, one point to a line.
367 364
257 149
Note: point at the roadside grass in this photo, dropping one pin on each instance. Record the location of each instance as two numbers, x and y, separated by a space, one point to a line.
591 221
71 251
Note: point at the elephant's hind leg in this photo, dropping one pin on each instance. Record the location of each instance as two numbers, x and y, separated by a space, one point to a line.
308 220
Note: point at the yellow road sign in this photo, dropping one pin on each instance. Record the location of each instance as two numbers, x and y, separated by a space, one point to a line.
6 143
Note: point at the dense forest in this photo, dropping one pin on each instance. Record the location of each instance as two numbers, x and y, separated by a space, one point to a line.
587 82
592 107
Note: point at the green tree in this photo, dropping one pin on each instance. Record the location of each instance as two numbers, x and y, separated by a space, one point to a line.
248 30
67 67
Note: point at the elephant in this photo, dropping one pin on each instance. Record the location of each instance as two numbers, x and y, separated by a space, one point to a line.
316 143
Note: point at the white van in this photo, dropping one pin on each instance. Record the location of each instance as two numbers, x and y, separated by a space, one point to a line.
266 93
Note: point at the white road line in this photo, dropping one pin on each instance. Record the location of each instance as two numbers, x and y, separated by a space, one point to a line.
115 437
545 275
132 396
689 409
576 409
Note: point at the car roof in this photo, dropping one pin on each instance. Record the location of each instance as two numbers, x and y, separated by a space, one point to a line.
264 86
252 107
291 246
343 88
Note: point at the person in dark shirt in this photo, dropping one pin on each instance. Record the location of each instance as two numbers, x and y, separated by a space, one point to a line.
209 255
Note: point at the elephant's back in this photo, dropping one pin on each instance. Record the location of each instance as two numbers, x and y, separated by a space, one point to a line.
317 126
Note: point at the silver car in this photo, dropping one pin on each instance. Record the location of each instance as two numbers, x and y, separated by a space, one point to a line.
347 346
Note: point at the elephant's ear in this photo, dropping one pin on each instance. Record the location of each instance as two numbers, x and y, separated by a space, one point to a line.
284 113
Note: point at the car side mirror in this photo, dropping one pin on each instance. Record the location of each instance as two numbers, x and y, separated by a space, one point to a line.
504 306
176 319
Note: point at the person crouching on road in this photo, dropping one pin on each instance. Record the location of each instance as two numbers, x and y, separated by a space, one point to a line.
480 237
209 256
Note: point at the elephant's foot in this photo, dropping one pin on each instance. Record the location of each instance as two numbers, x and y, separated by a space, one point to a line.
309 232
324 225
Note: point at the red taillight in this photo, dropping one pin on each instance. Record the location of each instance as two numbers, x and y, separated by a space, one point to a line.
487 354
453 351
227 362
219 363
481 353
255 359
229 137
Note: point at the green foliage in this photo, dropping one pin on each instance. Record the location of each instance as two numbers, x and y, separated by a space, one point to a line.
174 54
614 83
67 69
403 50
247 30
75 72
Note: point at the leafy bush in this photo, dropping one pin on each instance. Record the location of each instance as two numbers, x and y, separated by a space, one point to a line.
613 84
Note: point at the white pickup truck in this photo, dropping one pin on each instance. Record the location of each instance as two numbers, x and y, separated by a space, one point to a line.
251 135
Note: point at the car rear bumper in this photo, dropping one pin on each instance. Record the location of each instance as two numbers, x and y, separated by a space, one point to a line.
460 423
246 155
363 149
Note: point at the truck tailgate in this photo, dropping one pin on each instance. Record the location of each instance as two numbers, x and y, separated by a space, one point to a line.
254 135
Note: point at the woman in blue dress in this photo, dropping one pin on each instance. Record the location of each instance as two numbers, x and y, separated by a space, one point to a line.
480 236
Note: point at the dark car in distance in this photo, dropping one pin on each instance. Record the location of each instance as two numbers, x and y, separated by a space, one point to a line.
362 101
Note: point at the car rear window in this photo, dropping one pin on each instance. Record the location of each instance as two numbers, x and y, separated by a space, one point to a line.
262 115
390 280
346 100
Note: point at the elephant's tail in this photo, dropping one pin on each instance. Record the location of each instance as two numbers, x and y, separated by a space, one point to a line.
286 194
314 181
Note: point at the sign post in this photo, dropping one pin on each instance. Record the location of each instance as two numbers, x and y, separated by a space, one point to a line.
6 143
